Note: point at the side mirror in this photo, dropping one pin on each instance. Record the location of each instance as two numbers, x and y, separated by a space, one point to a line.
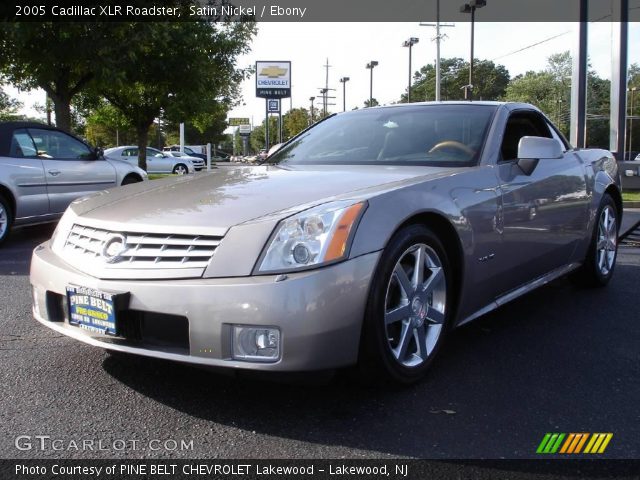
98 153
539 147
533 149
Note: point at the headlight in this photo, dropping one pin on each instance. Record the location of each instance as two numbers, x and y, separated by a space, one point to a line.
315 237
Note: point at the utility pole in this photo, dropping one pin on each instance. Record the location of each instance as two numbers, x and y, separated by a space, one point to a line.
326 86
437 39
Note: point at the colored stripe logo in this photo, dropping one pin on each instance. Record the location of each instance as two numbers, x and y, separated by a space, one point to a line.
574 443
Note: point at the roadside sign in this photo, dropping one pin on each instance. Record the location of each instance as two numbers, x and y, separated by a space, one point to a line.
244 130
234 122
273 79
273 105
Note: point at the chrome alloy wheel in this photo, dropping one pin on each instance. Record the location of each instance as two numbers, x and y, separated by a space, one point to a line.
607 240
4 220
415 305
180 170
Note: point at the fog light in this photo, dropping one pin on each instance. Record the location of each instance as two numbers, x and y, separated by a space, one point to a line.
256 344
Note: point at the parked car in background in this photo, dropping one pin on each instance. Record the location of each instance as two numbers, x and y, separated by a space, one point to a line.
187 150
43 169
157 161
361 242
221 157
198 163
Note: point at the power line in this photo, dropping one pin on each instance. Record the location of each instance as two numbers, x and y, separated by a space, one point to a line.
531 46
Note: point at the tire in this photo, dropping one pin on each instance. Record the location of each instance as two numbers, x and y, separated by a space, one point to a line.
425 316
129 179
598 267
180 169
6 219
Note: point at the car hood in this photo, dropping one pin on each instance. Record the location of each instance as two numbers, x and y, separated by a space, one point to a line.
211 203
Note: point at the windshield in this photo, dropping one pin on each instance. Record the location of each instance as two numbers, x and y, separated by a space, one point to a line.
430 135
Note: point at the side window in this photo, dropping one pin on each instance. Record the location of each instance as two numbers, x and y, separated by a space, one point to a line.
22 145
152 152
522 124
58 145
130 152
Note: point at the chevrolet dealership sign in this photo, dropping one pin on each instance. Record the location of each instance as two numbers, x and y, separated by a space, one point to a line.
273 79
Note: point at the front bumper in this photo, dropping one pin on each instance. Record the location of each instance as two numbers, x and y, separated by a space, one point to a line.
319 312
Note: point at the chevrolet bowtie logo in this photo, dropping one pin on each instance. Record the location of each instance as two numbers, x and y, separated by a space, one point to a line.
273 72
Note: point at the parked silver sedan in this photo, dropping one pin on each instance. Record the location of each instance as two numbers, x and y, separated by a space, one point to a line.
42 169
198 163
362 241
157 161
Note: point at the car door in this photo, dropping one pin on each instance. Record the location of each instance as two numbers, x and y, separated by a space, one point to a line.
70 167
544 212
158 162
23 172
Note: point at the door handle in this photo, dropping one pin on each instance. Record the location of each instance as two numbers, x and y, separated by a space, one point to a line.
54 173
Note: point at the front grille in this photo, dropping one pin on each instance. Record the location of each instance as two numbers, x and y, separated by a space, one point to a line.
140 251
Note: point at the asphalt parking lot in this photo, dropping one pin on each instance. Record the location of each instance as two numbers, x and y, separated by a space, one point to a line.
562 359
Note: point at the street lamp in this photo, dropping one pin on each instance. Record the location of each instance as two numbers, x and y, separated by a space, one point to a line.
311 99
410 43
471 8
632 90
371 65
344 81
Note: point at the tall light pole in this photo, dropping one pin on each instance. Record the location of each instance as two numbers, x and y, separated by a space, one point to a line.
471 8
371 65
410 43
632 90
344 81
311 99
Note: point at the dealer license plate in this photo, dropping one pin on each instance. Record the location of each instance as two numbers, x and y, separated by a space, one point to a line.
92 310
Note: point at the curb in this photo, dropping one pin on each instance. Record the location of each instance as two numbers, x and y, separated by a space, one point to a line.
631 205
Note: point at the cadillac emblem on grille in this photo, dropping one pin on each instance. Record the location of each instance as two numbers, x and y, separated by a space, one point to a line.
114 246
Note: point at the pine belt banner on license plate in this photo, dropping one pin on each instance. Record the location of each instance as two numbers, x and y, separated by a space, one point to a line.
92 309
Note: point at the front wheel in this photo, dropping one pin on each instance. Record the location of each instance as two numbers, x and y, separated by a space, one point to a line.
408 308
180 169
6 219
597 269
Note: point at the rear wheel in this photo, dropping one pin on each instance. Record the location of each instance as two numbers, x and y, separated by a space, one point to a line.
408 308
598 267
6 219
180 169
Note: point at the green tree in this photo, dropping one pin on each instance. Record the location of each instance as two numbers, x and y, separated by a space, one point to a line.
8 106
490 80
175 70
371 103
295 121
61 58
107 127
256 140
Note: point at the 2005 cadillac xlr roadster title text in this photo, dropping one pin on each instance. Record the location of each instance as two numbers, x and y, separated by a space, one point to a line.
363 240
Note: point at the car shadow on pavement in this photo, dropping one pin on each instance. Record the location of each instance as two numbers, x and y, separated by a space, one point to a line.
542 363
